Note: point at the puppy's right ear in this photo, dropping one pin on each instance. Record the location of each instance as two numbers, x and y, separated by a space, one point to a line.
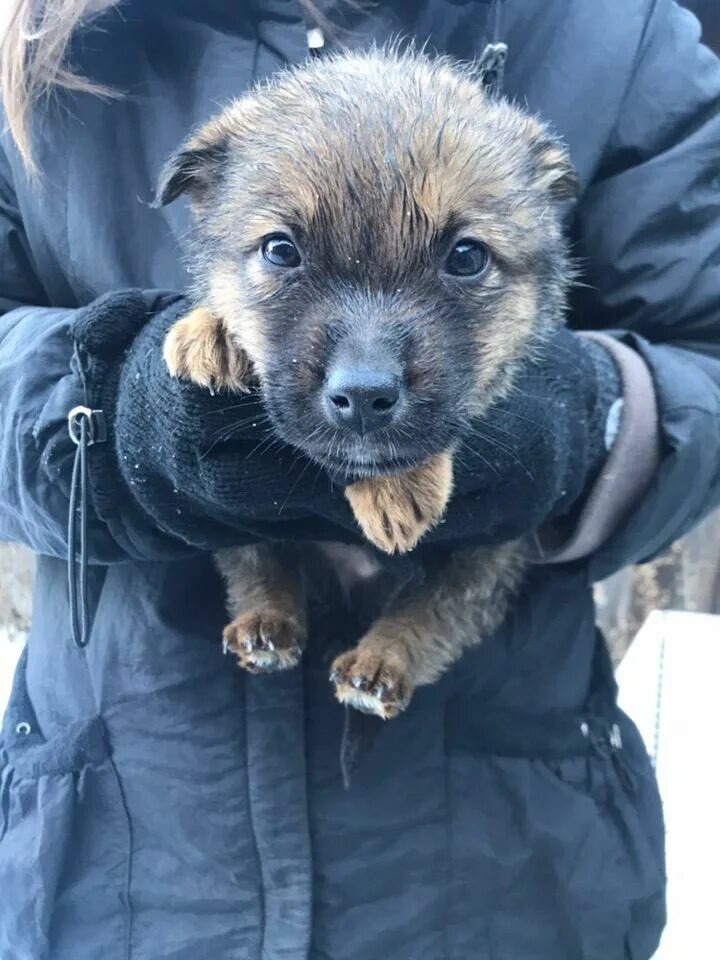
194 168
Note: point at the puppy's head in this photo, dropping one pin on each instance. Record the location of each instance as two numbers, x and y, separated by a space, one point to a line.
384 241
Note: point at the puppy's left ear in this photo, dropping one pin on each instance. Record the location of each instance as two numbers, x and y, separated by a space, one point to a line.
552 170
195 167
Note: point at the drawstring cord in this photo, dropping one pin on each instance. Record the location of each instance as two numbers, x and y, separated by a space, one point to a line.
496 20
491 63
85 427
360 730
608 745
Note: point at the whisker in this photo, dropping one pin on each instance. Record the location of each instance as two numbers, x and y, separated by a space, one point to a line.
220 437
265 445
230 428
494 426
294 486
244 404
534 423
504 449
485 461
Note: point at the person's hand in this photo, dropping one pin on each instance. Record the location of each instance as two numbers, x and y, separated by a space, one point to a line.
535 453
528 461
207 468
203 467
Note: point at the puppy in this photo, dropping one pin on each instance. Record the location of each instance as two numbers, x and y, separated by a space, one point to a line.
377 245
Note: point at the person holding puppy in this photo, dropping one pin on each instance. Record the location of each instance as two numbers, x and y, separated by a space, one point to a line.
156 801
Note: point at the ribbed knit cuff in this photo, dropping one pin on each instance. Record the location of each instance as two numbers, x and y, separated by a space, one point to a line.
632 431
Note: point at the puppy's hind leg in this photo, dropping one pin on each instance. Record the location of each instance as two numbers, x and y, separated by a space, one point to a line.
427 628
265 598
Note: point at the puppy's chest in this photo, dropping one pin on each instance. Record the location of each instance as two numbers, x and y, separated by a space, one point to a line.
351 565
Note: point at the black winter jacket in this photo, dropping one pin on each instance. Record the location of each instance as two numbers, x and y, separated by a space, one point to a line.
158 803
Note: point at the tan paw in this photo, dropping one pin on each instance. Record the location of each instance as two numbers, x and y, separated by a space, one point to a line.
395 512
264 640
198 348
372 682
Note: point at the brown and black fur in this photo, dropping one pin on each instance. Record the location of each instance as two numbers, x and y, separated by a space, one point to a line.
375 163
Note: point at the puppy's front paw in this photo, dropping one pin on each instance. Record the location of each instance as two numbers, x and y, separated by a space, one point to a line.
198 348
372 682
395 512
264 640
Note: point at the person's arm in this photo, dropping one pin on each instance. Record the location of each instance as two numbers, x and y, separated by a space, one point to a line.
37 390
171 469
39 385
178 470
650 230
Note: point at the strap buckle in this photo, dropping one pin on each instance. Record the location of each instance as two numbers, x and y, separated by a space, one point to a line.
85 427
96 428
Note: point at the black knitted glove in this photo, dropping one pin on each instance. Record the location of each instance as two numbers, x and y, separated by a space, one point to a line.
183 467
534 455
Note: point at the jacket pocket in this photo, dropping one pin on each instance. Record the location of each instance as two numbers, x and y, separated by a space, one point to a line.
558 835
64 843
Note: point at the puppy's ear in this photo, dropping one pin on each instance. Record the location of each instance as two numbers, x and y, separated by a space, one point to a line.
194 168
551 167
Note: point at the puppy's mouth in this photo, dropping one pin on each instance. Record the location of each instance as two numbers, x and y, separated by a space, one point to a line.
372 459
367 466
379 453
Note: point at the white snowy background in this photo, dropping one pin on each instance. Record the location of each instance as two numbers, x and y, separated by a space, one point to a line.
16 566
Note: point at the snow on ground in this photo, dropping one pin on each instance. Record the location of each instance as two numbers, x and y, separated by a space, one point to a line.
668 685
17 565
11 643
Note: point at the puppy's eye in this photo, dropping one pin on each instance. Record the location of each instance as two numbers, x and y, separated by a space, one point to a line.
281 251
468 258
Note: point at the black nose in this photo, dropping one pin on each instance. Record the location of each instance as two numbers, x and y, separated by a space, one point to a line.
362 399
